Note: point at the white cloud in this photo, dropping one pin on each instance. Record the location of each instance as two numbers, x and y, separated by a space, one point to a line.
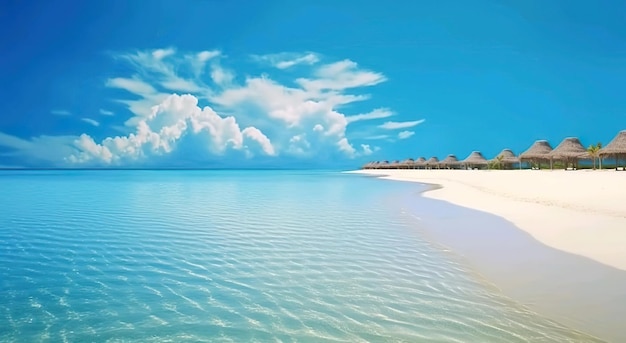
394 125
148 96
258 116
220 75
346 147
299 145
375 114
48 149
106 112
378 137
132 85
169 123
258 136
199 60
90 121
156 65
405 134
160 54
287 60
204 56
61 112
366 149
340 76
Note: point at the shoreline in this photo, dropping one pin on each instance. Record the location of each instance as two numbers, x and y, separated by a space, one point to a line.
578 212
531 251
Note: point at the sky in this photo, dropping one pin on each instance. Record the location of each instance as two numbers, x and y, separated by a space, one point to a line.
302 84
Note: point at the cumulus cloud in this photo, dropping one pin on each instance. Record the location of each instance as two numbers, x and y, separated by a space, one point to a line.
221 115
394 125
170 122
405 134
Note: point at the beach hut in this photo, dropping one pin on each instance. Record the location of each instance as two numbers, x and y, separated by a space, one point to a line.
537 153
409 163
616 149
450 162
367 165
507 159
383 165
432 163
570 152
374 165
394 165
475 159
420 163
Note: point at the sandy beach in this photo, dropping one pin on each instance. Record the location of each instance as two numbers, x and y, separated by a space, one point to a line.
580 212
556 243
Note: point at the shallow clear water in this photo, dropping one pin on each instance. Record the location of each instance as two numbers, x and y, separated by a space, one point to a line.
188 256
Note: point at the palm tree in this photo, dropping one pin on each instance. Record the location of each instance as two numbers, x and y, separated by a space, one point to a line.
496 163
594 151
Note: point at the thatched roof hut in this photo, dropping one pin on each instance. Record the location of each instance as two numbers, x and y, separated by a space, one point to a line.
368 165
383 165
420 162
395 164
432 162
570 151
409 163
450 161
539 151
476 158
616 148
506 158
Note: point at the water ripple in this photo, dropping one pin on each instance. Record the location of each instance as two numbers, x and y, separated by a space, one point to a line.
175 257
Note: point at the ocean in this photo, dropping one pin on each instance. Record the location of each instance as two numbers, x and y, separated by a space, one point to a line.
237 256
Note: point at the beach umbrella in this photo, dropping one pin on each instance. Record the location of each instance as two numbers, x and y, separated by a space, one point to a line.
507 157
432 162
450 161
570 151
476 158
537 152
615 148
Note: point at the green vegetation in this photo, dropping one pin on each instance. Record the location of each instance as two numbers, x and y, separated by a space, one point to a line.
496 163
594 152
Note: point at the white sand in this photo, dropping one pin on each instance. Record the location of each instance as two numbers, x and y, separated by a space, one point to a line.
581 212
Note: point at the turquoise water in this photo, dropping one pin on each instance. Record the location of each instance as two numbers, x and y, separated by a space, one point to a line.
192 256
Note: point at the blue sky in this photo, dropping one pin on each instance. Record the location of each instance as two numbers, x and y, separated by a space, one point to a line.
302 83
